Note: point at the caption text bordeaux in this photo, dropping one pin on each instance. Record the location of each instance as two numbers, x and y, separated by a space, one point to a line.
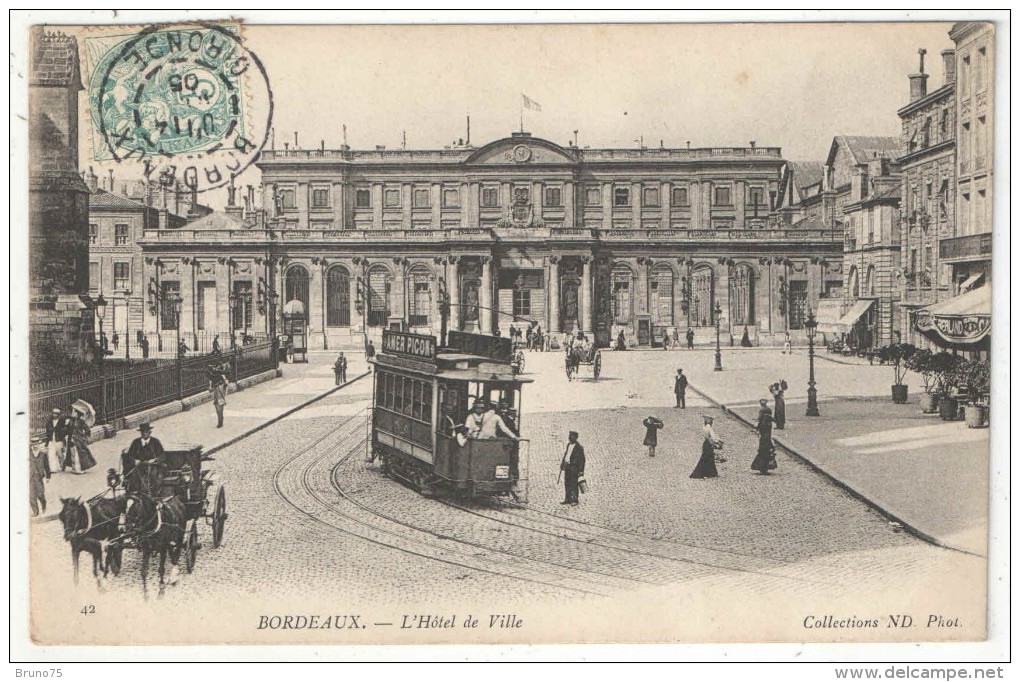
501 621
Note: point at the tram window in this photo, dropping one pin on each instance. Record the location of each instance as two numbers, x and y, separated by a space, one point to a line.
398 394
390 380
408 395
426 401
416 400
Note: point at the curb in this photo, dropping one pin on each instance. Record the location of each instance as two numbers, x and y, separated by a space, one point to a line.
912 530
230 441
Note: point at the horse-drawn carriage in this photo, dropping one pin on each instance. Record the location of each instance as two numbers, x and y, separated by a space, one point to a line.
153 507
587 355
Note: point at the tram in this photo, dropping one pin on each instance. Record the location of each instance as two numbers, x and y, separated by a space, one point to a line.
423 400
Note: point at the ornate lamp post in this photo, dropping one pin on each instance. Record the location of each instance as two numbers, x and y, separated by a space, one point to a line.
100 304
718 350
173 306
127 324
811 325
444 310
267 299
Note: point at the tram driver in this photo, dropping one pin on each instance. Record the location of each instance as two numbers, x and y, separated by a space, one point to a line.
484 423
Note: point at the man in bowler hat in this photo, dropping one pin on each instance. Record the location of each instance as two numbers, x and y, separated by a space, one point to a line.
680 389
144 448
573 468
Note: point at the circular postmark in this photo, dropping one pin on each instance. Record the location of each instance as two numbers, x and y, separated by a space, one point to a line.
189 103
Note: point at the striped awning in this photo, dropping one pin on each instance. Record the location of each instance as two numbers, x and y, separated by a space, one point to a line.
856 310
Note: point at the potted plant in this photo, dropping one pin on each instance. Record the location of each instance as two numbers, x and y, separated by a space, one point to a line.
974 377
896 354
944 366
921 363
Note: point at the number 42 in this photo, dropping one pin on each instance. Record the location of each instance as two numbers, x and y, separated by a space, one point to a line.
88 610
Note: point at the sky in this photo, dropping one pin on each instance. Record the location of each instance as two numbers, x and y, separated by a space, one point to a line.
793 86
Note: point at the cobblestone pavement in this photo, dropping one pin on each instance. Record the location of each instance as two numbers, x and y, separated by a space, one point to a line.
312 527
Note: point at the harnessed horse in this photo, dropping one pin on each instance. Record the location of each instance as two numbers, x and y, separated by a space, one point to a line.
89 526
156 524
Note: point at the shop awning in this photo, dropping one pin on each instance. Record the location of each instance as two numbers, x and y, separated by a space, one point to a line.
971 281
963 320
828 315
856 310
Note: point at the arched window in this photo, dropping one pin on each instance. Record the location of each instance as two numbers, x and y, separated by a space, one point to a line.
378 295
419 293
338 297
661 295
702 296
296 286
855 285
623 295
742 295
870 281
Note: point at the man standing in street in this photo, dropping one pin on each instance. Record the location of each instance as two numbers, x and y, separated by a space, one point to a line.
56 434
143 343
680 389
39 471
218 388
572 467
690 338
340 369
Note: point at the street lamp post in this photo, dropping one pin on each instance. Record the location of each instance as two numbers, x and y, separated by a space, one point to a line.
173 304
444 311
100 305
811 325
127 324
718 350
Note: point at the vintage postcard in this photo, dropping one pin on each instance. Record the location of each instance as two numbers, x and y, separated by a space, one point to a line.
508 333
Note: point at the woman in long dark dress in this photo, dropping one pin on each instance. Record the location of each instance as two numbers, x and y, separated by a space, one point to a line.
652 426
762 462
780 415
79 456
706 465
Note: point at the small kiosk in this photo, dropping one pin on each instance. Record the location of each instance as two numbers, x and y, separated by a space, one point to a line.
296 329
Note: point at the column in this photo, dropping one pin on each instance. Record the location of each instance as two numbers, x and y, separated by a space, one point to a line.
537 200
316 306
666 202
568 205
437 206
586 322
398 292
763 294
722 293
470 216
706 205
187 321
339 215
694 199
635 205
224 321
453 289
302 205
607 205
405 206
465 203
553 276
377 205
739 201
485 314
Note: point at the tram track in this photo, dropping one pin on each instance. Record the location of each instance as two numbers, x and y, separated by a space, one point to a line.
295 483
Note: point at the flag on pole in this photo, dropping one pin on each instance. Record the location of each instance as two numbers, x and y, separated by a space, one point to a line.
530 103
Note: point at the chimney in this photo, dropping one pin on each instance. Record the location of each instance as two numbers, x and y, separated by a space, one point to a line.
111 181
949 66
919 80
123 189
380 147
92 180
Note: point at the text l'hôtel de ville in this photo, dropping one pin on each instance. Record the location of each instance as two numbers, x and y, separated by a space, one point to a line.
418 621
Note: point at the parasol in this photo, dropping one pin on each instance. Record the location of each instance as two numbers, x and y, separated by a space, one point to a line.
87 411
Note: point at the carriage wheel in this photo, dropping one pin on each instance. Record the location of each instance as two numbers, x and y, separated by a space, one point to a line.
219 517
597 367
191 547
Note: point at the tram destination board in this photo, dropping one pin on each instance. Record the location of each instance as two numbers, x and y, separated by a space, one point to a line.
493 347
409 345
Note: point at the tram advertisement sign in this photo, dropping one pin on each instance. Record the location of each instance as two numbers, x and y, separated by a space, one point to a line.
411 345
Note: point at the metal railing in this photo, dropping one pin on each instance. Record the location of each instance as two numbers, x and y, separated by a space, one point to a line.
118 389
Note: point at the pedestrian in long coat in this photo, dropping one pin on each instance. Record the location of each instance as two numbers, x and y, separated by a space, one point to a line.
652 426
56 440
218 387
38 472
572 466
680 389
780 411
764 460
690 338
79 456
706 464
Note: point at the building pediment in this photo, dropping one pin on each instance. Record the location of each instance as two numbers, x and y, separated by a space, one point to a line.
521 150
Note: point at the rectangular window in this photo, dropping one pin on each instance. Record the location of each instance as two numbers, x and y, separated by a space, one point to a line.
320 198
621 196
722 196
94 274
288 198
169 306
680 197
243 303
621 301
929 262
93 233
121 276
451 198
421 198
490 197
756 198
522 302
979 71
422 302
120 234
391 198
362 198
651 196
553 196
798 303
593 196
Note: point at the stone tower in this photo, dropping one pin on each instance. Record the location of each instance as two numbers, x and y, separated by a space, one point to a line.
61 312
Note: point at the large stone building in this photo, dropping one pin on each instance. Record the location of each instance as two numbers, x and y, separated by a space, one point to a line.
928 164
642 241
58 210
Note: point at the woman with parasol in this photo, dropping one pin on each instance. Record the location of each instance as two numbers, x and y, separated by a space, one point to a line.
78 456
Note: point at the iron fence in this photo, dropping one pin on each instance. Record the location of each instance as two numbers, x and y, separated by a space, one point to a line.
118 389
